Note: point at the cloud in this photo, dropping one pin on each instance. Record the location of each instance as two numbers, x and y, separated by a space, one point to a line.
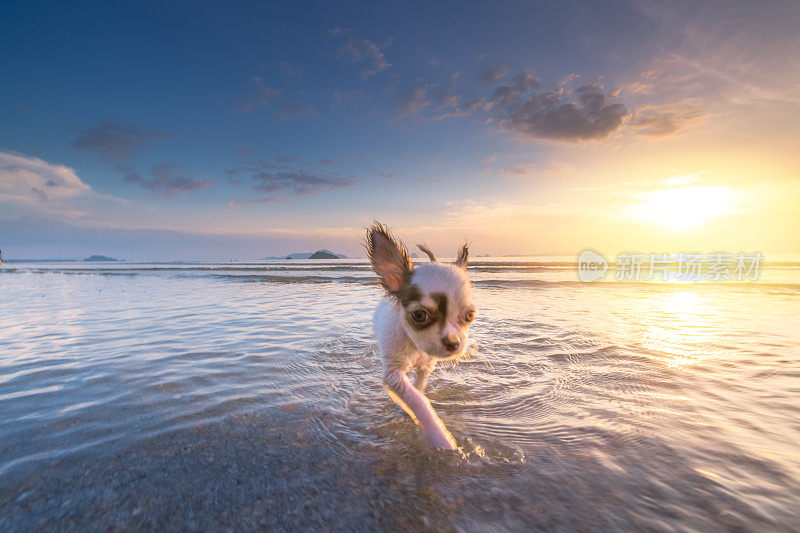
114 142
262 96
449 99
535 169
279 184
527 106
297 182
168 179
341 97
569 78
490 73
523 106
39 194
30 180
473 106
504 96
526 82
337 31
585 113
292 71
446 102
360 50
449 103
413 102
467 108
290 109
521 171
666 120
129 172
739 52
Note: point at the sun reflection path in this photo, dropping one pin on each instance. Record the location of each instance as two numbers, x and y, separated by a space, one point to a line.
684 336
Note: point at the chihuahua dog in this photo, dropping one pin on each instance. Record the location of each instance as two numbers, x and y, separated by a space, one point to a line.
423 319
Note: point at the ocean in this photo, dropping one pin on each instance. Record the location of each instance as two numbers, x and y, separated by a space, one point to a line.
240 396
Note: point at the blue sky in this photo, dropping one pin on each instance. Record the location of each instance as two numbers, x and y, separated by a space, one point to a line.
523 125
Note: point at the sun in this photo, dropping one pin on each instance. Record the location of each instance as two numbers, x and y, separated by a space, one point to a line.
684 208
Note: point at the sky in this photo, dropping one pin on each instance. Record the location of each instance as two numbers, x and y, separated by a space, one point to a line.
219 130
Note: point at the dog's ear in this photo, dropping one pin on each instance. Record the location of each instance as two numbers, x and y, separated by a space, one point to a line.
427 251
389 257
463 256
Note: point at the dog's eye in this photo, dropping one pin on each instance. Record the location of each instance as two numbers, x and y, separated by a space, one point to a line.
470 316
420 316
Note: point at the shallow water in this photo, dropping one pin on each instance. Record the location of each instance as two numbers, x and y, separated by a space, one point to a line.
209 396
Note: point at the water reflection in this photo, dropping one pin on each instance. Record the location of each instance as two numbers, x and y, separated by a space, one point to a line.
683 334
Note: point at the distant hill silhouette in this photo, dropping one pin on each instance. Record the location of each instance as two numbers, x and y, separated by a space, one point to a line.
322 254
310 255
101 259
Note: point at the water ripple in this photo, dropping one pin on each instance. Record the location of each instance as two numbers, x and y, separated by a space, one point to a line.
616 405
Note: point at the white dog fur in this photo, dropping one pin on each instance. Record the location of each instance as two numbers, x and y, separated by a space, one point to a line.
423 318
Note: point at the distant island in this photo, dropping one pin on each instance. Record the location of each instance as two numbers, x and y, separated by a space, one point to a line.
322 254
319 254
101 259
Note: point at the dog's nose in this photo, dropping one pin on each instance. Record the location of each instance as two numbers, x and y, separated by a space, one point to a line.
451 342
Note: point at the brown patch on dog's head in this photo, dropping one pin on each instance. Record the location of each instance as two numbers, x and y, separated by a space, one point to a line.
408 293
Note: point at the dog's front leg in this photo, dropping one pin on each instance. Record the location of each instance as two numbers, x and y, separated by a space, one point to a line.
417 405
421 378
